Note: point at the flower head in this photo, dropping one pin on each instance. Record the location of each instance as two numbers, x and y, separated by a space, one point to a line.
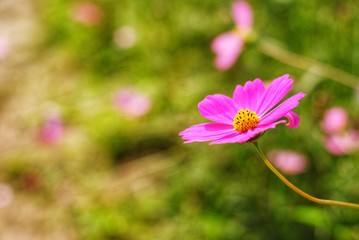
228 46
253 110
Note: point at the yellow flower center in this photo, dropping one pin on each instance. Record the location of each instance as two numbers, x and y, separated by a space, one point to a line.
245 120
243 33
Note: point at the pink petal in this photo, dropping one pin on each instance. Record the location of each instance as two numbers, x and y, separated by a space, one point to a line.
242 14
218 108
235 137
274 94
206 132
294 120
249 95
238 137
282 110
227 48
264 128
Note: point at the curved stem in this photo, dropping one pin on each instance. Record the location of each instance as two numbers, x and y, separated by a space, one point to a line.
296 189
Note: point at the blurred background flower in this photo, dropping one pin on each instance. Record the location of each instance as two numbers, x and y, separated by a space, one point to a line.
87 13
342 143
335 120
289 162
6 195
132 103
228 46
52 129
125 37
5 47
340 137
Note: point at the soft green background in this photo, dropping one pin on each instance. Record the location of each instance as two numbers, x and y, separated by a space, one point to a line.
117 178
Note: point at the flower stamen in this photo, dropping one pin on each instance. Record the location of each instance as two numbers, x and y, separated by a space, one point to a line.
245 120
242 33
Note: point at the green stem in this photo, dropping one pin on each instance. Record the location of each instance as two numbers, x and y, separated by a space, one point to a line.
295 60
296 189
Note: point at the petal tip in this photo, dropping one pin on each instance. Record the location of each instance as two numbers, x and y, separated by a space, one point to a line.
293 120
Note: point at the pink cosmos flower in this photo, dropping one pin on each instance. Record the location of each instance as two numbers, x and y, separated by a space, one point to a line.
290 162
228 46
335 120
87 13
253 110
343 143
132 103
52 130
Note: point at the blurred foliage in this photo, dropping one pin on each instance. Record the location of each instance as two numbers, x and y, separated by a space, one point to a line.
120 178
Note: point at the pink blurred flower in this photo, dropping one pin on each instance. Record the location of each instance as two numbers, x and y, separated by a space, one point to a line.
228 46
253 110
289 162
335 120
132 103
6 195
5 47
52 130
87 13
342 143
